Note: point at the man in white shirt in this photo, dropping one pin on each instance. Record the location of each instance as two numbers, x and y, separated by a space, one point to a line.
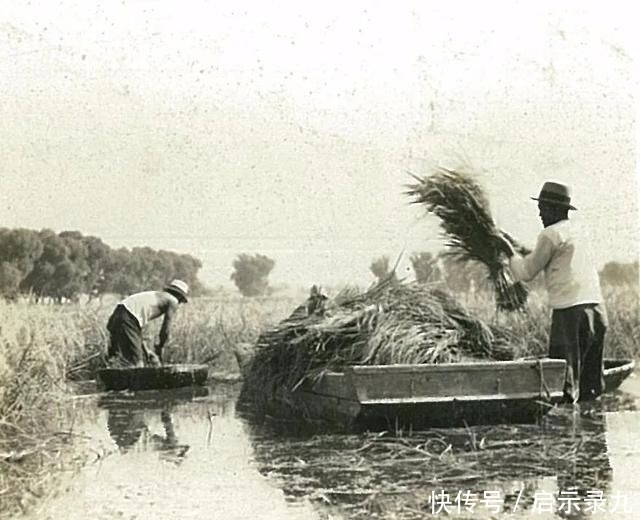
578 320
133 313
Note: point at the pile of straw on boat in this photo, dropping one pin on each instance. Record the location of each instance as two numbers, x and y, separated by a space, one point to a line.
391 323
394 322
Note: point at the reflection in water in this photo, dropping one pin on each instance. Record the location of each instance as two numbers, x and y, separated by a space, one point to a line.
168 444
224 464
127 426
588 466
385 476
127 418
211 473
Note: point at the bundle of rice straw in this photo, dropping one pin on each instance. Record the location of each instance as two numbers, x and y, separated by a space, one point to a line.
392 323
463 209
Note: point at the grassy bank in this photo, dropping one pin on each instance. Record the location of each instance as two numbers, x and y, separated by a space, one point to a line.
40 345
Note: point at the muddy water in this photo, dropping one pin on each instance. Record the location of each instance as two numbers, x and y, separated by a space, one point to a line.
192 455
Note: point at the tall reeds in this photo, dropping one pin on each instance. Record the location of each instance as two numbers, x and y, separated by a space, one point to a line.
36 343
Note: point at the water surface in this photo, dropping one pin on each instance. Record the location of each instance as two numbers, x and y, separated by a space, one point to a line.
191 454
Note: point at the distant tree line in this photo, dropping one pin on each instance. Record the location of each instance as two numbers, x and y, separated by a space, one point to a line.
68 264
463 277
437 268
616 273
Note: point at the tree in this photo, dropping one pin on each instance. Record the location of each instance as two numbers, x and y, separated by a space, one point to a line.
73 272
616 273
380 268
426 268
186 268
251 274
119 273
10 277
20 247
68 264
66 281
40 280
97 255
462 275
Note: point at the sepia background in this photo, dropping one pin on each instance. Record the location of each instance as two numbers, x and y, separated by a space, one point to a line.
224 130
228 127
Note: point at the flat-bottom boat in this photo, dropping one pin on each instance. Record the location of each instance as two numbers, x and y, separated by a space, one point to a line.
443 395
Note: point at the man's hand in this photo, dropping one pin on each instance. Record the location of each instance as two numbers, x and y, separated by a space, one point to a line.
502 243
158 350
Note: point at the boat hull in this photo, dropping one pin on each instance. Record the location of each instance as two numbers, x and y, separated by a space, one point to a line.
153 378
446 395
615 372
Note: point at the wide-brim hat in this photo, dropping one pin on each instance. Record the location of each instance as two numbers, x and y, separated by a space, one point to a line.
179 289
555 193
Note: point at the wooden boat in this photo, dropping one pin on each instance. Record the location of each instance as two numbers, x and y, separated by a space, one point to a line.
444 395
153 378
615 372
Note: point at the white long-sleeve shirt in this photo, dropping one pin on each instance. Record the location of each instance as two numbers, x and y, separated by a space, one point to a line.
570 274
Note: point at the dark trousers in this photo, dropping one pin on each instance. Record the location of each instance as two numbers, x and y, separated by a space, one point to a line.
577 335
126 337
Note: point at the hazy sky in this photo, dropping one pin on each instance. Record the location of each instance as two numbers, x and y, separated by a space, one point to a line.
216 128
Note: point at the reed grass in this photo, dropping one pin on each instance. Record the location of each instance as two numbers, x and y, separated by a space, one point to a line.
460 203
36 427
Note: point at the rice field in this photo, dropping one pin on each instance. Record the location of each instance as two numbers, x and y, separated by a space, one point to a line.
43 347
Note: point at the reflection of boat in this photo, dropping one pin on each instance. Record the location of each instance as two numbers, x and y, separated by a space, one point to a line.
441 395
387 473
147 378
152 399
128 414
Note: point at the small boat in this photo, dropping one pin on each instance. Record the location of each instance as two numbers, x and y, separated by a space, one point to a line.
615 372
153 378
443 395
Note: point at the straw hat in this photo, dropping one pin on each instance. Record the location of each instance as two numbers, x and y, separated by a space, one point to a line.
179 289
555 193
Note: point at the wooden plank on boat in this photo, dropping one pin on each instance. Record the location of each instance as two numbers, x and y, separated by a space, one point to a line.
333 384
151 378
444 395
484 380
